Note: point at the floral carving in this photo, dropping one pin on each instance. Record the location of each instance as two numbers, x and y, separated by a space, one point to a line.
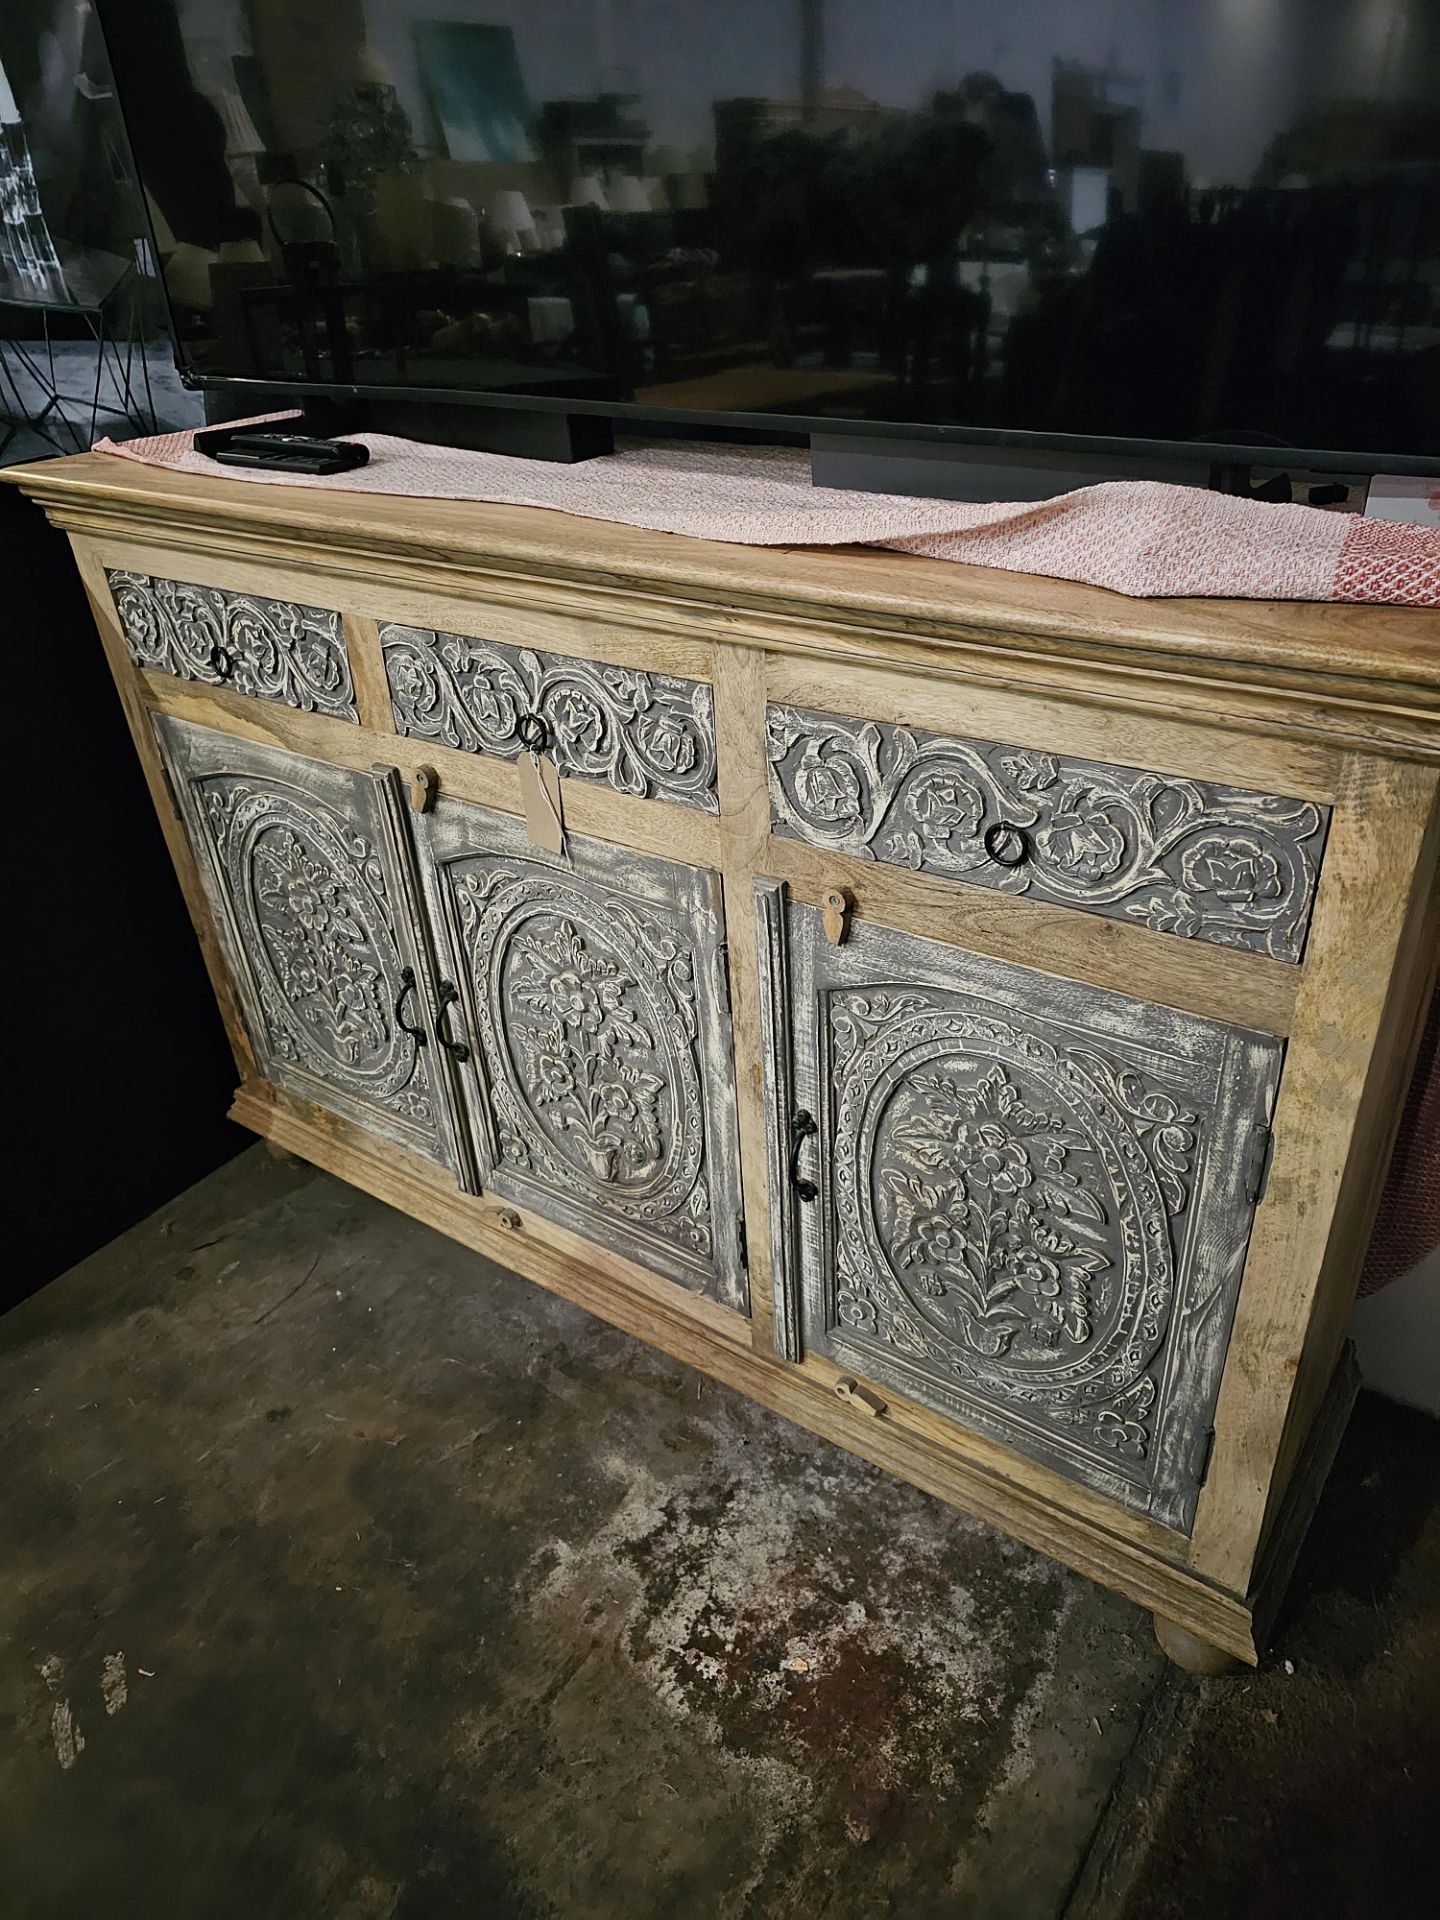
1009 1212
828 791
667 742
588 1023
858 1017
1032 1205
323 957
1192 858
982 1211
643 733
269 649
591 1059
1120 1435
1238 870
315 924
1084 834
1168 1129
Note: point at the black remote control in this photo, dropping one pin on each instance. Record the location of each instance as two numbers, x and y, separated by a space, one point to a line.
280 452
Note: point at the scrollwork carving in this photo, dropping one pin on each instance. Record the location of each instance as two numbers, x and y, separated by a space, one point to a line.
642 733
1192 858
269 649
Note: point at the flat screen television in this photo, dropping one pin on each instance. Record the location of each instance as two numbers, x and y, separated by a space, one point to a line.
1193 227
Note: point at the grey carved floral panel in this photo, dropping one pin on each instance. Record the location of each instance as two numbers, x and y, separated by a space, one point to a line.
593 993
1186 857
1034 1198
644 733
270 649
299 865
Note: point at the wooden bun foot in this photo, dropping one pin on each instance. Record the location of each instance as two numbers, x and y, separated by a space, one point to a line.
1192 1653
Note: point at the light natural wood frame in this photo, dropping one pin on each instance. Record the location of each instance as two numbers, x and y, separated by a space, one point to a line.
1339 705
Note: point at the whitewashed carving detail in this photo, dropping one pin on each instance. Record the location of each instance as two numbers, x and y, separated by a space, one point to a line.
587 1021
999 1204
642 733
1186 857
316 925
1014 1227
1022 1202
269 649
1007 1210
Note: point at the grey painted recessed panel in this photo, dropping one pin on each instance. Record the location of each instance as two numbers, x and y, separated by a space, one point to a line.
1187 857
601 1080
299 864
269 649
648 734
1032 1209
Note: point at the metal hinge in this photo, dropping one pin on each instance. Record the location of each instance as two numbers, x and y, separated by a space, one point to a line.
1257 1164
1207 1451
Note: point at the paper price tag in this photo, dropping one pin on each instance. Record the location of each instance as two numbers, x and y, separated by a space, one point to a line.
540 798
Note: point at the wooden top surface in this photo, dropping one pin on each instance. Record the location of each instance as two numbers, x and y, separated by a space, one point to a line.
1386 648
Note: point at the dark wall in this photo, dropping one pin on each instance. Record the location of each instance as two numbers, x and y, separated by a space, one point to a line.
118 1069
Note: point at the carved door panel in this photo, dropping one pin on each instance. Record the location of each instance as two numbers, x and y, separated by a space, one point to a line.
1019 1201
314 896
601 1082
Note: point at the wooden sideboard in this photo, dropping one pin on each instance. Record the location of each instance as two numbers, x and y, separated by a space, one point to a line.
970 1014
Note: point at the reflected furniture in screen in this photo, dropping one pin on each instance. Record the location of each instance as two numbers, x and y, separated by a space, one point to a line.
34 397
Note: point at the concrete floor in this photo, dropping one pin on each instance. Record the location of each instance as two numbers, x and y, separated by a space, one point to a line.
350 1576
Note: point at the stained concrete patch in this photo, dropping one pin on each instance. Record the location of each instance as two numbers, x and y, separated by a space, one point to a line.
114 1687
439 1597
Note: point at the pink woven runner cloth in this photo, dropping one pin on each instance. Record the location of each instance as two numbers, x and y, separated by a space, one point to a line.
1138 537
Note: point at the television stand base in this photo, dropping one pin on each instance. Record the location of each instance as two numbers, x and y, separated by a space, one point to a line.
937 470
530 433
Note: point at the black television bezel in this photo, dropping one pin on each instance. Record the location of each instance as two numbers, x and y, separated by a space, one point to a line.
1071 446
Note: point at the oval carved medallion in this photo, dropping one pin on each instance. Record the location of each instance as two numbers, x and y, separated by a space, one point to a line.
316 927
1004 1208
588 1024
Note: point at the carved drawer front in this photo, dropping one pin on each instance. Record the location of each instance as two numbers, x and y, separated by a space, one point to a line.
601 1081
270 649
304 866
1019 1202
643 733
1186 857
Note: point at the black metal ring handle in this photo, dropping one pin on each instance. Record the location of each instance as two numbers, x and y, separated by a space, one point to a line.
222 661
995 836
449 994
532 730
407 985
802 1128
